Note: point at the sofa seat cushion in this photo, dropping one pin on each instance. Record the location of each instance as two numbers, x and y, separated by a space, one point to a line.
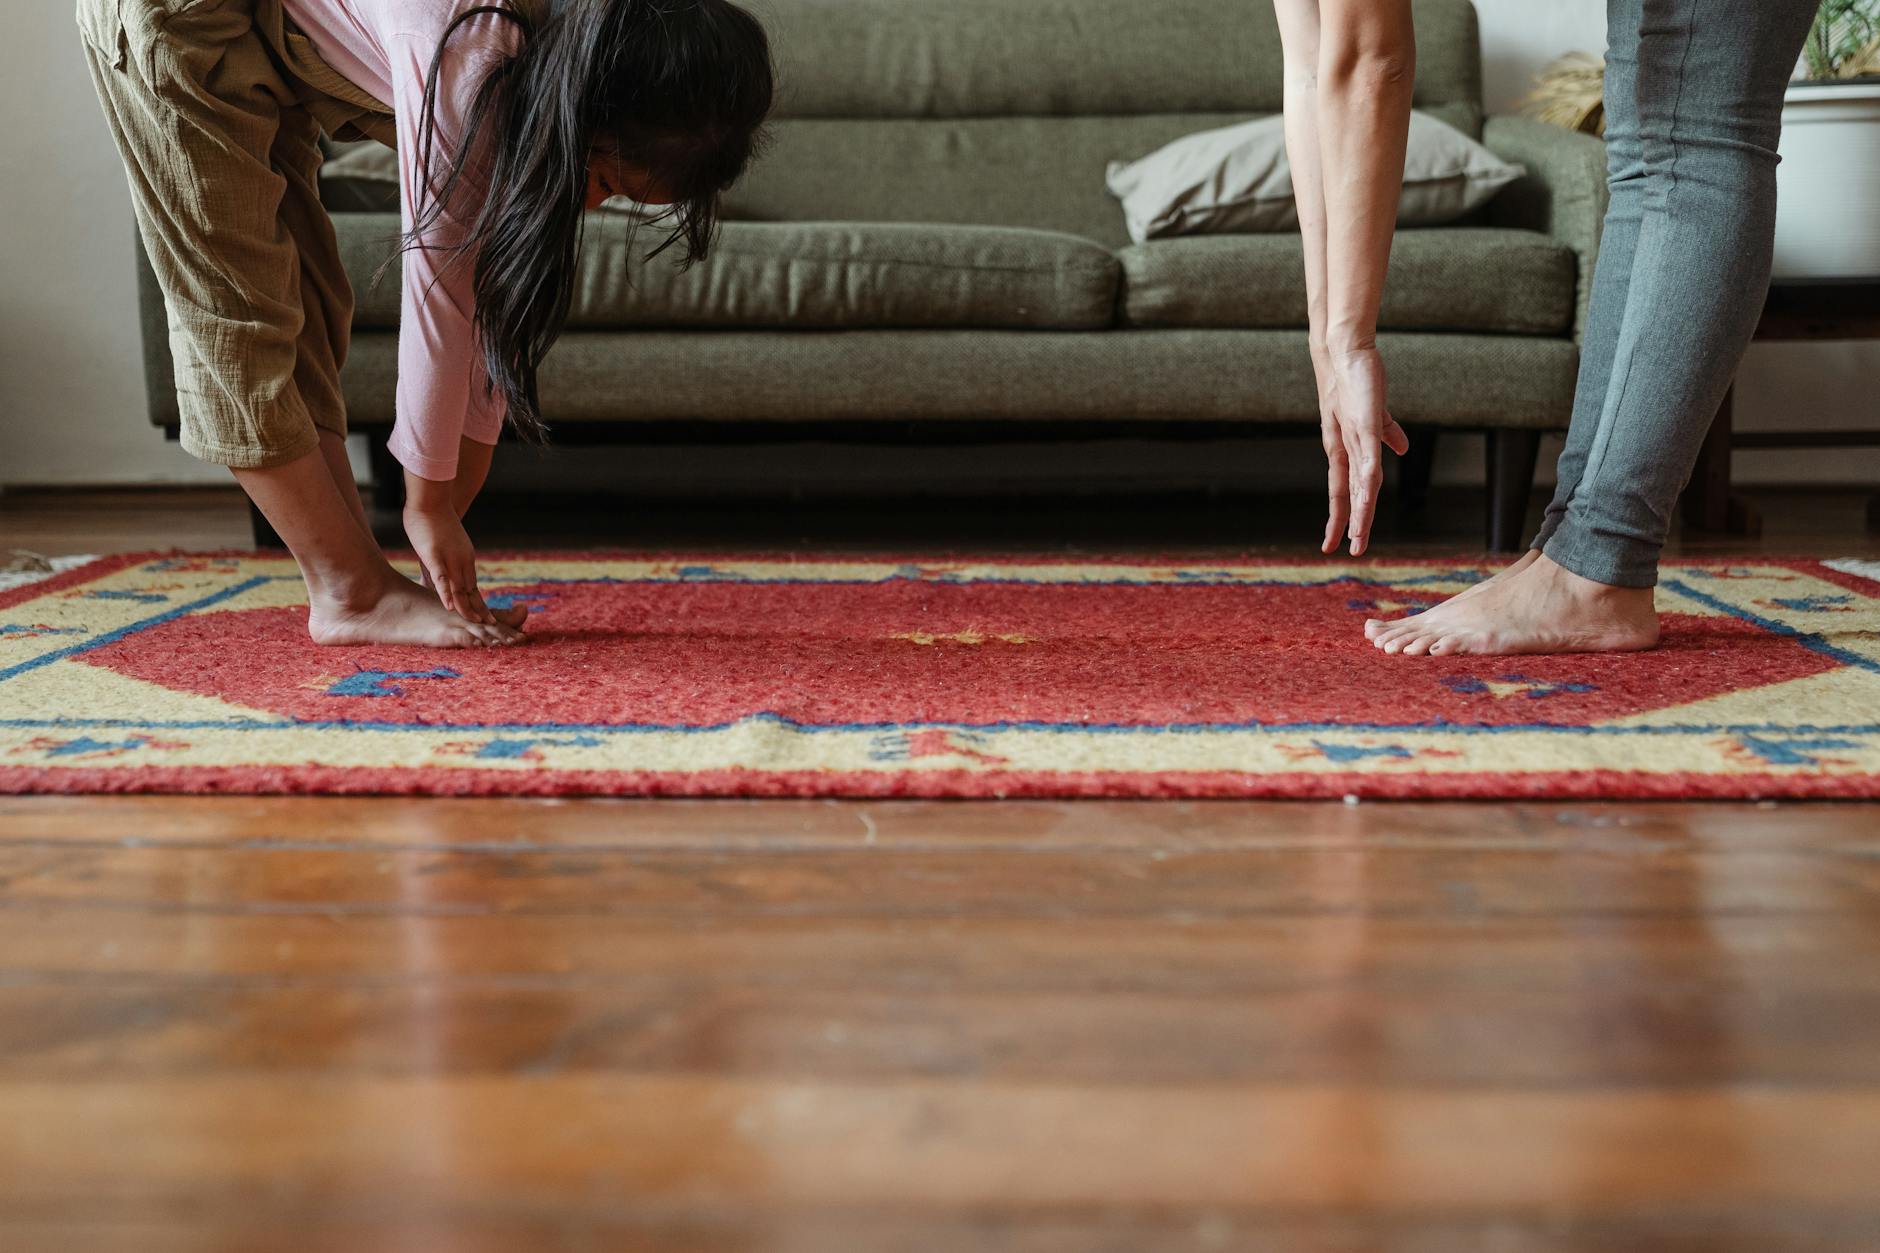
1456 381
1445 279
815 276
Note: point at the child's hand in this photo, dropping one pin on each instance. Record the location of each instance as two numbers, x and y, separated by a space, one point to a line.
448 558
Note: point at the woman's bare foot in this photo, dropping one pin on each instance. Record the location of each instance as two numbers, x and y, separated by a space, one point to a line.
1379 630
1542 608
397 611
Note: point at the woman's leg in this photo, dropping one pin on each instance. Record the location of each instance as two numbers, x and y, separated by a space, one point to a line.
1707 94
1618 244
1710 79
1625 177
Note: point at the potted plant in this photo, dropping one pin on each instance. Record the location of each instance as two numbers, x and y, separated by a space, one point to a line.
1828 185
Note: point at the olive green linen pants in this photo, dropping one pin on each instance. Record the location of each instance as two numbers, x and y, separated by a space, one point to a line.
223 159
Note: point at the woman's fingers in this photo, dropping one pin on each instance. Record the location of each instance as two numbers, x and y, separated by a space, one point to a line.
1338 510
1394 437
1368 479
1365 475
1337 491
1354 483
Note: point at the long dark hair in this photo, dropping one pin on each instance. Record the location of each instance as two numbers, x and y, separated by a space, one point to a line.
678 87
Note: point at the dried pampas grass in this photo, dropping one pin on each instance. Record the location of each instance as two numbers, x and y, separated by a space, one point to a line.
1862 63
1571 93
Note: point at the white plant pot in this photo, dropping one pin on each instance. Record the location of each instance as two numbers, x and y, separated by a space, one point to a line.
1828 185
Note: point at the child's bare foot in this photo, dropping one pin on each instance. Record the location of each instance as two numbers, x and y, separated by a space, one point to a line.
1542 608
353 594
397 611
1380 630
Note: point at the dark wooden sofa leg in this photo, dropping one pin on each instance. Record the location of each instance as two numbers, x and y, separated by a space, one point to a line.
1511 459
1709 503
388 477
1413 471
264 532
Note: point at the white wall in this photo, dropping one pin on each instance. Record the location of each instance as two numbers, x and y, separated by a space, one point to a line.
1520 37
71 386
71 396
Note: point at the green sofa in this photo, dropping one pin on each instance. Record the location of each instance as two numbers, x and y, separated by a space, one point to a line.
928 250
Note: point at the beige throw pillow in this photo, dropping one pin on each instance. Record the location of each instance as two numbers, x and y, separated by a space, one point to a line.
1235 181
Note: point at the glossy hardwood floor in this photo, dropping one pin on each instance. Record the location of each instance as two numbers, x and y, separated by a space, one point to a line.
323 1024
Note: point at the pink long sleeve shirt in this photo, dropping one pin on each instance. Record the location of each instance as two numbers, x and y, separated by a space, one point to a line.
385 47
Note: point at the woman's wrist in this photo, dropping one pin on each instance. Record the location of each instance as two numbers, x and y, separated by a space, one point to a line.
1342 342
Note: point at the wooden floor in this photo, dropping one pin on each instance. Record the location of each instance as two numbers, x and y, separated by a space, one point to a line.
410 1025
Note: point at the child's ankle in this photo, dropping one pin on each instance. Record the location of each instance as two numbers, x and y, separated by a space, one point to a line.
351 588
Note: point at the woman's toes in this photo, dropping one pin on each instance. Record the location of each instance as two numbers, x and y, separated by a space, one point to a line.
1418 646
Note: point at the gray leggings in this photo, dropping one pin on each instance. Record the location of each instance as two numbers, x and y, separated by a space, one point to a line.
1693 111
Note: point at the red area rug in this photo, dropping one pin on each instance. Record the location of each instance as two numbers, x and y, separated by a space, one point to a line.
869 677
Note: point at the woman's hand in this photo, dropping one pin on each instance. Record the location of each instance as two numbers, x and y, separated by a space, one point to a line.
443 547
1353 425
1350 73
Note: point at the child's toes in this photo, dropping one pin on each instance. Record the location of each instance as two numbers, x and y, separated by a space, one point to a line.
485 634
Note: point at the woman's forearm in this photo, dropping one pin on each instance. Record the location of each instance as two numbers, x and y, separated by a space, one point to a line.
1366 76
1299 37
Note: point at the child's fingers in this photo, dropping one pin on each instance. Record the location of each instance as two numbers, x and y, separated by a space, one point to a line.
473 600
434 581
450 590
469 599
447 593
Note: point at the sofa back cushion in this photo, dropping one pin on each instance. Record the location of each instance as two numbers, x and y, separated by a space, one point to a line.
1008 111
802 276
